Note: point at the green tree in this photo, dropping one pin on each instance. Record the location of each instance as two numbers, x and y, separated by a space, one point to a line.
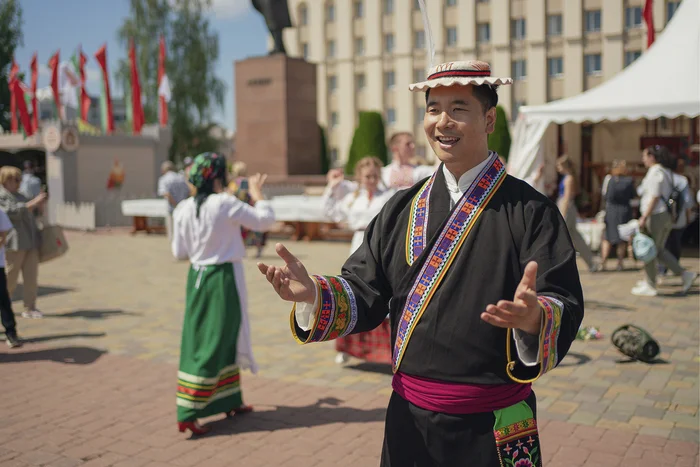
325 157
10 38
192 52
368 140
499 140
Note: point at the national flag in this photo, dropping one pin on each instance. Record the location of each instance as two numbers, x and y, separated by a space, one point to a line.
163 86
136 105
35 102
79 60
14 71
105 99
18 90
648 14
54 66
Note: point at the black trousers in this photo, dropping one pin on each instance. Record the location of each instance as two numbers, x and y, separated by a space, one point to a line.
414 437
7 316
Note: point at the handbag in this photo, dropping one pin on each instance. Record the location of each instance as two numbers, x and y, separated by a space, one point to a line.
644 247
53 243
635 342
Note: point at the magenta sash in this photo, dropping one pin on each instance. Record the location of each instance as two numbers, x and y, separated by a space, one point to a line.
457 398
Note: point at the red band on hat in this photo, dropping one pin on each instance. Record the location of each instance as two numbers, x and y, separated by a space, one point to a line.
458 73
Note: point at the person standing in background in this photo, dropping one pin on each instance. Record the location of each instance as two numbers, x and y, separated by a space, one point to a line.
174 188
7 316
618 190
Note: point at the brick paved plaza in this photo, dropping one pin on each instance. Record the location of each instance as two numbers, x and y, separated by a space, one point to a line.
95 383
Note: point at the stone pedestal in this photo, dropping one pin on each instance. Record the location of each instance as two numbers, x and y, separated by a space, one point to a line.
277 128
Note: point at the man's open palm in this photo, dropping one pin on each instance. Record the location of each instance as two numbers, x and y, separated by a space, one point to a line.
291 281
523 312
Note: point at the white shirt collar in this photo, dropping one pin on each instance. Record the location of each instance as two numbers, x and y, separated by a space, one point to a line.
466 179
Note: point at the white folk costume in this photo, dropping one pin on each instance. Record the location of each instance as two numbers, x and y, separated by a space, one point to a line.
434 258
357 209
216 341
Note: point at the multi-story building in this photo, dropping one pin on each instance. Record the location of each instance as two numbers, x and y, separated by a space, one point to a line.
369 51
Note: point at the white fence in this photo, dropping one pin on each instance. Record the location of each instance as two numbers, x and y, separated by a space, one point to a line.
79 216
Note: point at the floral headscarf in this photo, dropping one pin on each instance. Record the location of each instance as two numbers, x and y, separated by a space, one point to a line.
206 168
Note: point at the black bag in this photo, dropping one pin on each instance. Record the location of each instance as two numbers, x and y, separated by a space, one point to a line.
635 342
674 203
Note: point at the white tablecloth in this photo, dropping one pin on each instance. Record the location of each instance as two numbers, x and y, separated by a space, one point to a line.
293 208
145 207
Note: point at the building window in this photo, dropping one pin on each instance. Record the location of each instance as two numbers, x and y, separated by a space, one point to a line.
332 83
482 1
334 156
358 9
360 81
418 75
390 116
388 7
519 71
555 66
516 110
419 39
591 21
420 113
633 17
483 32
554 25
389 79
305 50
671 8
334 119
359 46
330 12
592 64
303 15
451 37
389 43
450 2
517 29
330 49
631 55
416 5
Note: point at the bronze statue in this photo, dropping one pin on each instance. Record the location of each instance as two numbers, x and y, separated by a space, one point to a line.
276 13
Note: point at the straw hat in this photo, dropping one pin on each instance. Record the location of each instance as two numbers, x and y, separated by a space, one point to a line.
459 73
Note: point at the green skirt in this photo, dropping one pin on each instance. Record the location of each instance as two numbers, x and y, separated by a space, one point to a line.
209 380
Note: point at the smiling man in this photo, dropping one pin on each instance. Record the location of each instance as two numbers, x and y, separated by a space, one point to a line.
478 274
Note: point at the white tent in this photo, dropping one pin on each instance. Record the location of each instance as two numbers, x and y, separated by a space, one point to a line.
663 82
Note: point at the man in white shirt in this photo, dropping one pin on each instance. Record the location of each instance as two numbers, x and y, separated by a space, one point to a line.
401 173
174 188
655 190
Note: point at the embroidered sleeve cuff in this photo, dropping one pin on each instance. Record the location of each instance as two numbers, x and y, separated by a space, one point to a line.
551 323
333 315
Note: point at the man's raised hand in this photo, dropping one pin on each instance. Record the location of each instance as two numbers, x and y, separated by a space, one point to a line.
291 281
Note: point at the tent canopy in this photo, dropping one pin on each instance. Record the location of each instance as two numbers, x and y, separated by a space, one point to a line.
663 82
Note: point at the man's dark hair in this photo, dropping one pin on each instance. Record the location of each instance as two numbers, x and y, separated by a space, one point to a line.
486 94
662 156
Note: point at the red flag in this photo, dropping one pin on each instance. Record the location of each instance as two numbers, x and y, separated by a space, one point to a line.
13 104
163 86
101 57
18 93
84 98
136 106
53 64
649 19
35 103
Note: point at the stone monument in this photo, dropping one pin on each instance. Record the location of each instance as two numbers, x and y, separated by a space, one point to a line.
277 128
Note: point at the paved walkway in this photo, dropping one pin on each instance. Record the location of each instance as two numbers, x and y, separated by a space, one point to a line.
94 386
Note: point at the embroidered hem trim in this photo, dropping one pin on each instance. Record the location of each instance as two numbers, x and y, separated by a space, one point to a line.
336 315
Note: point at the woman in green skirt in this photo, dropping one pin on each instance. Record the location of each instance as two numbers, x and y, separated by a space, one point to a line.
216 334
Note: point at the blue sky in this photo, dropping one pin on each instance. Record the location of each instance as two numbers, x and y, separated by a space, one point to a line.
51 25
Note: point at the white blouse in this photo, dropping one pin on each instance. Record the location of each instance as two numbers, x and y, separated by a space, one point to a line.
656 183
215 236
355 208
393 179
